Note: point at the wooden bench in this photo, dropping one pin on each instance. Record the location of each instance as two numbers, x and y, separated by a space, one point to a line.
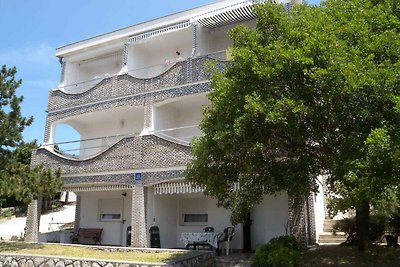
90 233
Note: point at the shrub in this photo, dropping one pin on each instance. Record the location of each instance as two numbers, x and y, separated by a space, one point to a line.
281 251
348 226
7 213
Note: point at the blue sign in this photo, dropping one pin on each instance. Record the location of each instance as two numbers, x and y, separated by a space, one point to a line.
138 177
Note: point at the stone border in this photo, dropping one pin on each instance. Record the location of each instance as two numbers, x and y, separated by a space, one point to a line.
204 258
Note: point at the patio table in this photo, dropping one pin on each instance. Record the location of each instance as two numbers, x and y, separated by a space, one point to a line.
192 238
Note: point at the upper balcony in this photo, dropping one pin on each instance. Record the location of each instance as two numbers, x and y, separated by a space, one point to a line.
174 73
174 119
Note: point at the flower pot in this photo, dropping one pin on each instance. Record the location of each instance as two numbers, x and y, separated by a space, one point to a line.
391 240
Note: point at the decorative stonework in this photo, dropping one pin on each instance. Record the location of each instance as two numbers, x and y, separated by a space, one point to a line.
200 259
134 100
139 152
126 85
125 55
157 177
139 233
148 178
101 179
302 221
77 213
33 220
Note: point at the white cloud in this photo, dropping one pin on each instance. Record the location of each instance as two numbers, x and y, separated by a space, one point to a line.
42 54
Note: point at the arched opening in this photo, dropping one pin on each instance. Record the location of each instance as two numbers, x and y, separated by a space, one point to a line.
86 135
66 140
178 120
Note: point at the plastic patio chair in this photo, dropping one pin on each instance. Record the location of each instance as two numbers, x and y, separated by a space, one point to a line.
226 237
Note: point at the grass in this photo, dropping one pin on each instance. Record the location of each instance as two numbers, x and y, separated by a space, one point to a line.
90 253
381 256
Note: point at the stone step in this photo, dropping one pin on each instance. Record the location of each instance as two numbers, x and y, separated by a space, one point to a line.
330 238
328 225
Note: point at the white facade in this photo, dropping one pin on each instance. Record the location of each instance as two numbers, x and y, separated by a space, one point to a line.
135 98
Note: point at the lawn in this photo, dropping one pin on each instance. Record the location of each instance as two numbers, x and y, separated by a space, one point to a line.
91 253
381 256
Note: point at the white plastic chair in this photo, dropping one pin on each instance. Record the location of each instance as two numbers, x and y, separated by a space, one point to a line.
226 237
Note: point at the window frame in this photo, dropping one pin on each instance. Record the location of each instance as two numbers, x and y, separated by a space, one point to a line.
101 213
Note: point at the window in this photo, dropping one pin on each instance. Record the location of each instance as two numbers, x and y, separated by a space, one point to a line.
195 218
110 209
193 211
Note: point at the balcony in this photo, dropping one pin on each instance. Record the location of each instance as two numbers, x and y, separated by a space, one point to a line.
85 149
178 119
85 73
177 73
125 154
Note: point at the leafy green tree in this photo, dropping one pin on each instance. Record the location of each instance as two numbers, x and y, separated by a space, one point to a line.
316 91
17 178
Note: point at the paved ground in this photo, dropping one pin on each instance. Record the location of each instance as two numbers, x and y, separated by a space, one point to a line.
235 260
48 222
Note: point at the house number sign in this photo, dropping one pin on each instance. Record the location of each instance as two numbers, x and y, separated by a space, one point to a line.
138 177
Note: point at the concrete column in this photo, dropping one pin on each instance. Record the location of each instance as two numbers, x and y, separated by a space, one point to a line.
194 40
33 220
124 69
148 116
63 66
139 230
48 131
297 222
302 221
77 213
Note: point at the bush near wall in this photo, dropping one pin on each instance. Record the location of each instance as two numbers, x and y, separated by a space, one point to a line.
281 251
348 226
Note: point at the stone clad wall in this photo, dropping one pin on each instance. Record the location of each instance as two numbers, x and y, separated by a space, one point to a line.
302 221
205 259
137 152
184 72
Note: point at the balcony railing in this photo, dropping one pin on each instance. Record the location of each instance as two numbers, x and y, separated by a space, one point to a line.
181 135
88 148
178 73
134 152
76 149
139 73
81 87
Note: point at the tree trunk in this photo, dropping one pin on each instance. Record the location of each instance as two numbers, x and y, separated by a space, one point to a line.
362 226
66 198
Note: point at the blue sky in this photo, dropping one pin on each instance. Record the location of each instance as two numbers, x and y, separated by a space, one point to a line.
32 30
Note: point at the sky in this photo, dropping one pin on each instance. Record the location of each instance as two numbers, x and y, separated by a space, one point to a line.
32 30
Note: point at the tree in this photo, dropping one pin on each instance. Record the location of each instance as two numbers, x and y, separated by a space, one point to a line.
316 91
17 179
